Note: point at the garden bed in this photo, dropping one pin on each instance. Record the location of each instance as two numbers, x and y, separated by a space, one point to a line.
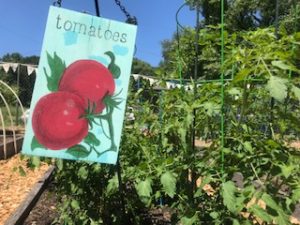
16 181
15 188
8 148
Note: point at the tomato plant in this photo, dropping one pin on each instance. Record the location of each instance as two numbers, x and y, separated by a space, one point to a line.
58 121
259 182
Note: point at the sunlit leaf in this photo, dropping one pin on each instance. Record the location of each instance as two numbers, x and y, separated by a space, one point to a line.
229 198
113 185
277 88
260 213
168 181
144 188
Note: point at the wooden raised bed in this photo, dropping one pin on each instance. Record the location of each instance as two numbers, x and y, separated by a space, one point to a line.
11 149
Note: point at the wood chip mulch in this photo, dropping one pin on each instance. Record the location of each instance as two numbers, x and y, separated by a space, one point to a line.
14 186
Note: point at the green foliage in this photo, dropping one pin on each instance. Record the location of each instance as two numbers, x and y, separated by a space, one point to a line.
260 180
8 95
169 183
141 67
26 83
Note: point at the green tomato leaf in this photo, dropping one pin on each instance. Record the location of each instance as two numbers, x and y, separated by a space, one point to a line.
269 201
92 139
211 108
113 185
75 204
59 164
282 218
260 213
214 215
35 161
112 67
248 146
78 151
277 88
21 171
190 220
83 173
144 188
235 222
168 181
287 170
57 67
35 144
228 193
280 64
296 92
296 195
242 75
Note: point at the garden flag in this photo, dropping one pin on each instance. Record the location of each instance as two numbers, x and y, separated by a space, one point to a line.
79 99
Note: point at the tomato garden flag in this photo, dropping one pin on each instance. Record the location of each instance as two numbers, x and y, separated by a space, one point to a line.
79 99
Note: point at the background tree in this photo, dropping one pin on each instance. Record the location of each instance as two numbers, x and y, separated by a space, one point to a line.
26 83
243 14
239 16
142 67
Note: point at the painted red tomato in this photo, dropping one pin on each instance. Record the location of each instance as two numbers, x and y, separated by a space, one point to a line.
90 80
57 121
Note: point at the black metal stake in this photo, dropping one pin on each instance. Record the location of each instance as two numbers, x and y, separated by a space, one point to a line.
118 166
193 175
97 8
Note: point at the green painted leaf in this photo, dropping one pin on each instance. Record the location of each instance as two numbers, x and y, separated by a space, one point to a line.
277 88
78 151
112 67
115 70
144 188
168 181
57 67
35 144
92 139
260 213
228 193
